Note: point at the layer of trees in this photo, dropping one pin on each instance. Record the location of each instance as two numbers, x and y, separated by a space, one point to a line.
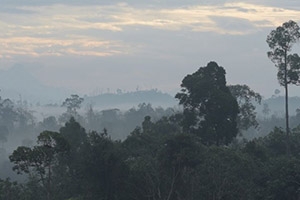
157 161
170 158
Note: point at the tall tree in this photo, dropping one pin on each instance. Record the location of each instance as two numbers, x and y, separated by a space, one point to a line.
40 160
210 110
72 104
104 169
281 41
69 172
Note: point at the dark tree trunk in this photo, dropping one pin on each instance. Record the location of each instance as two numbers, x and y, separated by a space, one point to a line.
286 106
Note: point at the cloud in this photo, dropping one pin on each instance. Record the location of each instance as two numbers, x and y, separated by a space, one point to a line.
37 47
61 29
234 25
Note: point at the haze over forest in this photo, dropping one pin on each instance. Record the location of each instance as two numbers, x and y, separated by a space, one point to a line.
160 100
88 47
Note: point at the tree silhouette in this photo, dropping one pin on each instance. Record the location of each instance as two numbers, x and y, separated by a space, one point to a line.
210 110
281 41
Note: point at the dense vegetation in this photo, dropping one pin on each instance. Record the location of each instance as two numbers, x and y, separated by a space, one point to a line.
190 154
157 161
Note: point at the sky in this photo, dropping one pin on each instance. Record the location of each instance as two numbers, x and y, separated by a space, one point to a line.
91 47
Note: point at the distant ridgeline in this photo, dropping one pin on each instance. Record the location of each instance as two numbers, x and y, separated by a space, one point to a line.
129 99
276 105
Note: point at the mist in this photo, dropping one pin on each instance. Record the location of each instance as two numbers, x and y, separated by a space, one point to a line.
160 100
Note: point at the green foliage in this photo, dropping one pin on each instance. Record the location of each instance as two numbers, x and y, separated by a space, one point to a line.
224 174
162 160
74 133
8 116
210 110
73 103
280 42
245 98
69 171
40 160
14 119
10 190
104 168
119 124
281 179
157 161
180 151
23 159
159 155
276 142
256 149
49 123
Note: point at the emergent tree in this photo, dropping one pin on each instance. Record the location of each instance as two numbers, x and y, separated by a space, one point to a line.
73 103
281 41
40 160
210 110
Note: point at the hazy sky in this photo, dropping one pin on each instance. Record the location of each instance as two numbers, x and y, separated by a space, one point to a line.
89 47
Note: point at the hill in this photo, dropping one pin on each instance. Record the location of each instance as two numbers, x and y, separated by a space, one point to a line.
276 105
130 99
17 83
